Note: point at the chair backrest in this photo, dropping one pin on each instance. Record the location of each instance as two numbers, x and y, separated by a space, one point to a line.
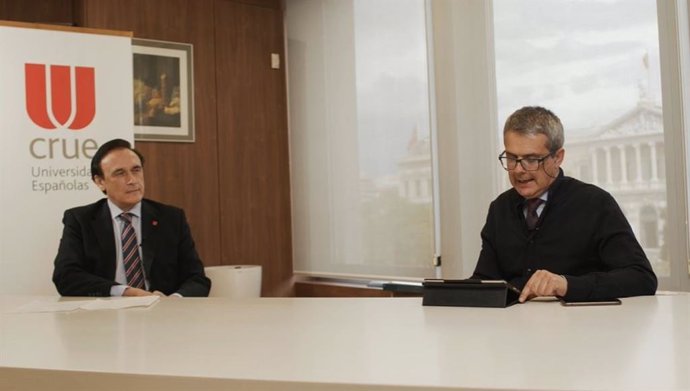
235 281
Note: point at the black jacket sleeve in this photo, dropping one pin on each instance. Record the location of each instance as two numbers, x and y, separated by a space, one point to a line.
79 267
582 235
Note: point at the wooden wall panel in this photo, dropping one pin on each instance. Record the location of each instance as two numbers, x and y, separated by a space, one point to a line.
181 174
253 160
38 11
233 182
275 4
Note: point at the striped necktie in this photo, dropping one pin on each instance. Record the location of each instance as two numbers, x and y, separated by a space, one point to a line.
130 254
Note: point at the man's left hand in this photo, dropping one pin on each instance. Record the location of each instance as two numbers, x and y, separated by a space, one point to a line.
544 283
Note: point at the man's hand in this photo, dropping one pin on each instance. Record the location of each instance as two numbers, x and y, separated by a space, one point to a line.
129 291
544 283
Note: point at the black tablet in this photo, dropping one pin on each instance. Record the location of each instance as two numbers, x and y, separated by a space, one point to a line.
477 283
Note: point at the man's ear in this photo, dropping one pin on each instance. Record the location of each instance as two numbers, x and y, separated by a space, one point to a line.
559 156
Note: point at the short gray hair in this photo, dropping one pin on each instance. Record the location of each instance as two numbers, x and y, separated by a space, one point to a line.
533 120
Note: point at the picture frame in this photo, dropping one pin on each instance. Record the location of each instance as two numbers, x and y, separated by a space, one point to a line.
163 91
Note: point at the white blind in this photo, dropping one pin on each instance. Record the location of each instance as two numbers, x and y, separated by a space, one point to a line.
361 168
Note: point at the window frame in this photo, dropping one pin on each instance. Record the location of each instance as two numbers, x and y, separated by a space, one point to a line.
466 101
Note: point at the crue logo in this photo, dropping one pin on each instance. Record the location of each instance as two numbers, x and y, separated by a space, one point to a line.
69 100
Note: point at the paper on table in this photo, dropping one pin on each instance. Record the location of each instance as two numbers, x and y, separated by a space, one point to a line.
97 304
125 302
48 306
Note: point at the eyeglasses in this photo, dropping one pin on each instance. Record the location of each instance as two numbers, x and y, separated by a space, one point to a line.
527 163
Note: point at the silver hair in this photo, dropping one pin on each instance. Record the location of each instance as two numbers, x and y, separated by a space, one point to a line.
533 120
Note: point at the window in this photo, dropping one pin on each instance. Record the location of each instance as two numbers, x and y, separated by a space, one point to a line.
649 232
596 65
362 188
360 138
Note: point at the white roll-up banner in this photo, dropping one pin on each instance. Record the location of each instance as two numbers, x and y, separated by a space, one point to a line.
62 95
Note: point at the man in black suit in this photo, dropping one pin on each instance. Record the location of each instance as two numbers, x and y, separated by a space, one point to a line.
92 259
552 235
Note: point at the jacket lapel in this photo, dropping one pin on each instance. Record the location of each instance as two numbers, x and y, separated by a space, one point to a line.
102 226
149 234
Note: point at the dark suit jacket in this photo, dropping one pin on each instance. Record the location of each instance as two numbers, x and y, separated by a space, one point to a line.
85 263
581 234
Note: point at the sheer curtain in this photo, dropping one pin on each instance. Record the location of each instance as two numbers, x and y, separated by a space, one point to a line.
361 167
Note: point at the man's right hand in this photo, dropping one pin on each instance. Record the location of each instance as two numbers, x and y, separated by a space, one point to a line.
129 291
544 283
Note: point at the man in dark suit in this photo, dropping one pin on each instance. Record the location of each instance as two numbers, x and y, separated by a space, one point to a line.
125 245
552 235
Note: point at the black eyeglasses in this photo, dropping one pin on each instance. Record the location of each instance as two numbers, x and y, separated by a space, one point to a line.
527 163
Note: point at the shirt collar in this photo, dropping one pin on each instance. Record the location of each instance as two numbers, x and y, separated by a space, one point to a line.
115 211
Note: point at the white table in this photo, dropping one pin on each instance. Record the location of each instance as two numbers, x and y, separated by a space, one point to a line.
348 344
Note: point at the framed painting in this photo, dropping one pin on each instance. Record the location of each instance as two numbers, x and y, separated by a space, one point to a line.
163 91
